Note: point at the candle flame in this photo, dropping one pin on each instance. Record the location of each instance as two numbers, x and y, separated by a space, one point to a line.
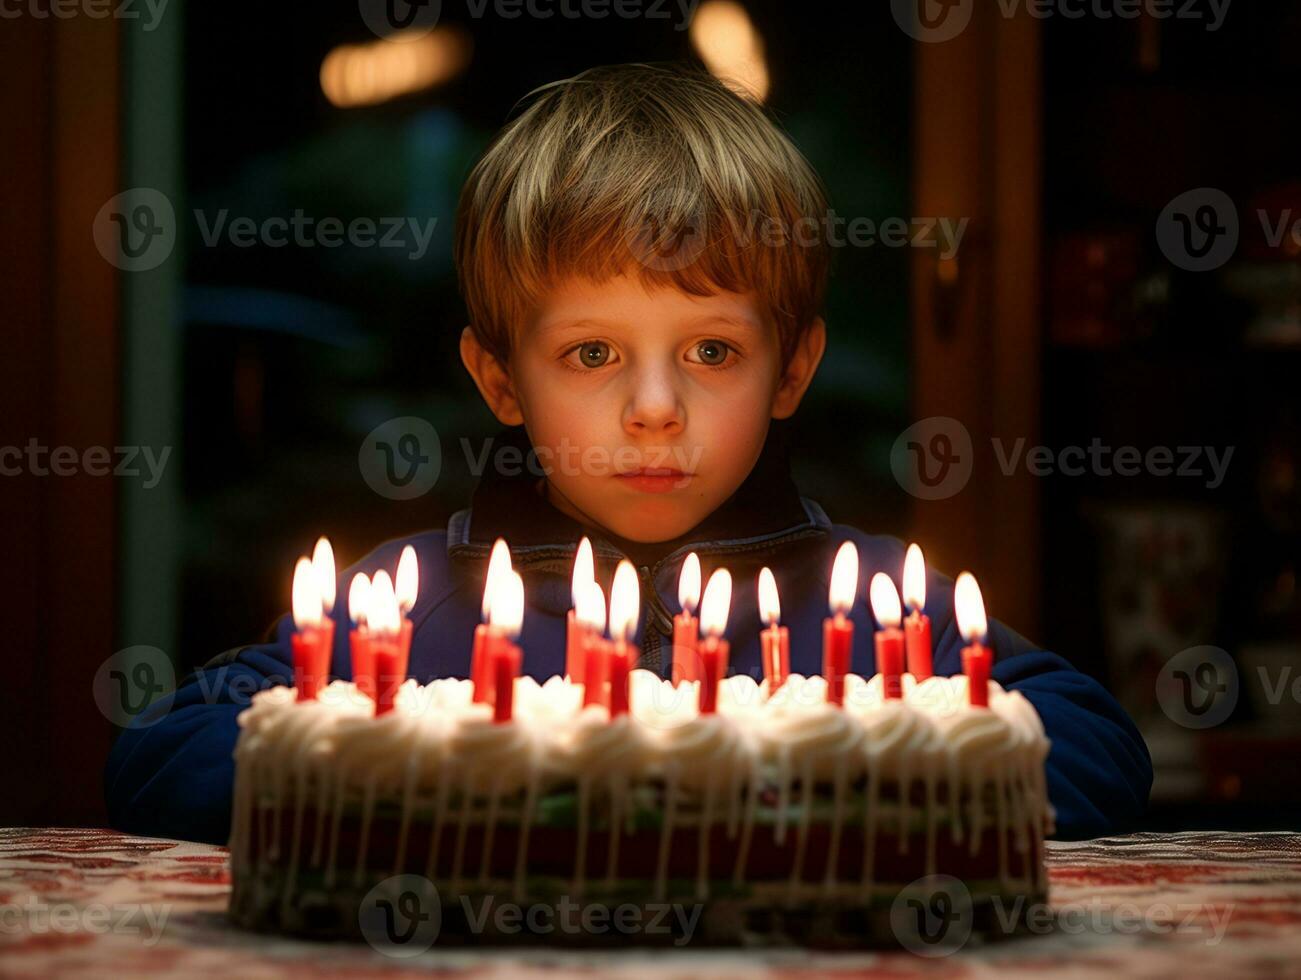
770 609
885 600
717 603
969 607
407 585
323 569
306 597
914 578
584 569
507 611
590 608
359 599
625 599
498 564
844 578
383 614
689 583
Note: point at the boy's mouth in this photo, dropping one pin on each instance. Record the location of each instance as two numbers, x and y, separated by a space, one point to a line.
654 479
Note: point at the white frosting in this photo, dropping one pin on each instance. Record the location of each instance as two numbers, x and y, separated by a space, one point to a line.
440 754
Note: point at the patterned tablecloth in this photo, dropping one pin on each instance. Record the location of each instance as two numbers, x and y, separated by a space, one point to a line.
100 903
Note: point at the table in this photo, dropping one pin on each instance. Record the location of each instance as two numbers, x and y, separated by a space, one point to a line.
89 903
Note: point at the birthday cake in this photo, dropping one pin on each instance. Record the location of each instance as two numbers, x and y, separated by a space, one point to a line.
777 813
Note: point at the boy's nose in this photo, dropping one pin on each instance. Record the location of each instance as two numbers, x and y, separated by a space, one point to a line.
654 406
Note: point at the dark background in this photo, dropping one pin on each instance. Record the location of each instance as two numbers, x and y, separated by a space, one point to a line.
265 368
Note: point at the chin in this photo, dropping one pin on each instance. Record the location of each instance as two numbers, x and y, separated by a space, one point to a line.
635 524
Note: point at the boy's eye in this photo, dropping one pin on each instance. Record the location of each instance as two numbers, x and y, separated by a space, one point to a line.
593 354
712 352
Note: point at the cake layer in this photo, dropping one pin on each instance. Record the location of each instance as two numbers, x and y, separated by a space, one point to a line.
553 852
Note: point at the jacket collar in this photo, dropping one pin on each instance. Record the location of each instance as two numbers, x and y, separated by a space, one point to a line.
766 511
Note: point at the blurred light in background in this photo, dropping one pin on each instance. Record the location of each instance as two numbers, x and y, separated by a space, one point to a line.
366 74
730 47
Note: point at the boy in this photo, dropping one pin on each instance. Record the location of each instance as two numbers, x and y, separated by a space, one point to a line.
630 325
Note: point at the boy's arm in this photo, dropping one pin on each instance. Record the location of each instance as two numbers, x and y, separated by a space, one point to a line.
171 772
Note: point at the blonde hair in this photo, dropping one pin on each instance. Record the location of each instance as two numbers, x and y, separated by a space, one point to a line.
658 169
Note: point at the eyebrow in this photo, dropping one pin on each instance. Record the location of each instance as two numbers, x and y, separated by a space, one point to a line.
556 326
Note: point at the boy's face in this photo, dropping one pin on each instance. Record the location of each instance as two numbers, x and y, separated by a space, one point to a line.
648 408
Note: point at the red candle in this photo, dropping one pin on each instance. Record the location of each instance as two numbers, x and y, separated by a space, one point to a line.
363 657
363 661
837 650
506 659
889 638
596 669
584 572
977 659
384 623
714 650
311 663
574 656
775 641
309 646
480 666
388 676
712 654
838 629
686 628
917 627
622 659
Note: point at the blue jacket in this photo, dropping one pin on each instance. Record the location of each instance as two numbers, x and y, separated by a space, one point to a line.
171 772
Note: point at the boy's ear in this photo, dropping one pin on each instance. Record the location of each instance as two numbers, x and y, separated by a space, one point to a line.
799 372
493 381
